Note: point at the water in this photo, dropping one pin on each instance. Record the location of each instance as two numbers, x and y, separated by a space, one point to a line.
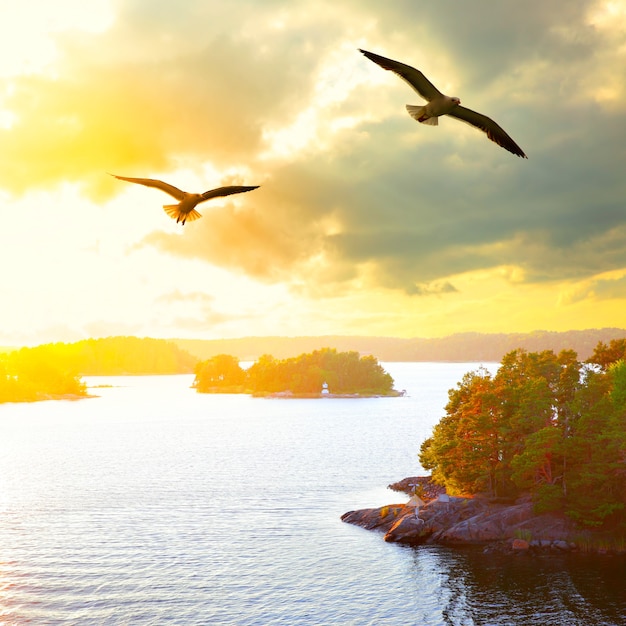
153 504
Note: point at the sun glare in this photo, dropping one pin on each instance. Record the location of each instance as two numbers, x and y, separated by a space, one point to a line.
43 22
609 15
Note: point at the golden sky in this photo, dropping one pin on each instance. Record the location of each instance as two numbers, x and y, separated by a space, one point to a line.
366 222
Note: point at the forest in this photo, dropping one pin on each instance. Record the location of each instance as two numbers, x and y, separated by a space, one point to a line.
546 426
29 377
343 372
55 369
460 347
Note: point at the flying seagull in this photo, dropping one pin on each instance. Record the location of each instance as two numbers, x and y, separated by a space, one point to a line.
185 209
438 104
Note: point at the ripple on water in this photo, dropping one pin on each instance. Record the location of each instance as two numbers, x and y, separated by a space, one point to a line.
153 504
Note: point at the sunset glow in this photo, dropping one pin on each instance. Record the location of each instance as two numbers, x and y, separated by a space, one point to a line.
365 222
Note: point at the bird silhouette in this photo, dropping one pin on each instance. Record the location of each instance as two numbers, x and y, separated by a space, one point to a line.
186 207
440 104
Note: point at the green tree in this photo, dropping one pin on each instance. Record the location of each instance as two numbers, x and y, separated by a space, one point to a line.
544 424
536 468
345 372
596 448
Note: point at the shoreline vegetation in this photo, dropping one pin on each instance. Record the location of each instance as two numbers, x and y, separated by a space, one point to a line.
323 373
55 370
531 457
286 395
52 370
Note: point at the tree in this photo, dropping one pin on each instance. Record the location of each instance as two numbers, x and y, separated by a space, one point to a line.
465 449
596 448
536 468
219 373
604 355
29 375
345 372
545 425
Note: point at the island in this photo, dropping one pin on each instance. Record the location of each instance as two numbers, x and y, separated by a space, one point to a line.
318 374
54 371
531 457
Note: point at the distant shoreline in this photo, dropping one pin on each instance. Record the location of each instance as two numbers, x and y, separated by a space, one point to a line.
288 395
44 397
467 347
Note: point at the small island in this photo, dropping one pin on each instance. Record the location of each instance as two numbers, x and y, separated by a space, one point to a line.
323 373
531 457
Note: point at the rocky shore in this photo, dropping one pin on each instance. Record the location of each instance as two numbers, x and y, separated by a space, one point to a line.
478 520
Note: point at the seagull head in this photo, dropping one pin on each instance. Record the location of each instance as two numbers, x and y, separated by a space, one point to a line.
456 100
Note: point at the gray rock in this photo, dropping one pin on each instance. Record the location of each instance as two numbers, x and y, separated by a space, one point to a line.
409 530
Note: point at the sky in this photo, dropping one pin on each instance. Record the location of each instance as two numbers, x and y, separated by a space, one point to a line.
365 222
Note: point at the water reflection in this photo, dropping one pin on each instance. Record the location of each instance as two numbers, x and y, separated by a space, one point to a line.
472 588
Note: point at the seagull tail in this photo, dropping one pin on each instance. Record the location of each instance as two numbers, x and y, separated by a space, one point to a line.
173 210
418 113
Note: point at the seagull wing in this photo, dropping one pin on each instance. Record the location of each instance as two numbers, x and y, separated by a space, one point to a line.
225 191
487 125
158 184
414 77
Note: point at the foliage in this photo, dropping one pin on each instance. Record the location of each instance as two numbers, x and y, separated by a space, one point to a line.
545 424
219 373
344 372
605 356
26 377
114 356
464 451
54 369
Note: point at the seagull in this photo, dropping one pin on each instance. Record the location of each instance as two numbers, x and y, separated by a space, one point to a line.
439 104
185 209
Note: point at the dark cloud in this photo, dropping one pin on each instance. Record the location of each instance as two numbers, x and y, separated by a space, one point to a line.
422 211
484 38
406 206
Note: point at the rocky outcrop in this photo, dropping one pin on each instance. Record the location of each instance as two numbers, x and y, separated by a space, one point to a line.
462 521
382 518
423 485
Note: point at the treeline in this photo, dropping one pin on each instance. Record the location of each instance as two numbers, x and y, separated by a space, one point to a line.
546 425
27 377
54 369
460 347
116 356
343 372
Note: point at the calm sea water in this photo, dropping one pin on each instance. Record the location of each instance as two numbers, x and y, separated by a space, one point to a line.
153 504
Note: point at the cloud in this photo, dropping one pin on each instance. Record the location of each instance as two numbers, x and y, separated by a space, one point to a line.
169 88
602 288
358 195
177 297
